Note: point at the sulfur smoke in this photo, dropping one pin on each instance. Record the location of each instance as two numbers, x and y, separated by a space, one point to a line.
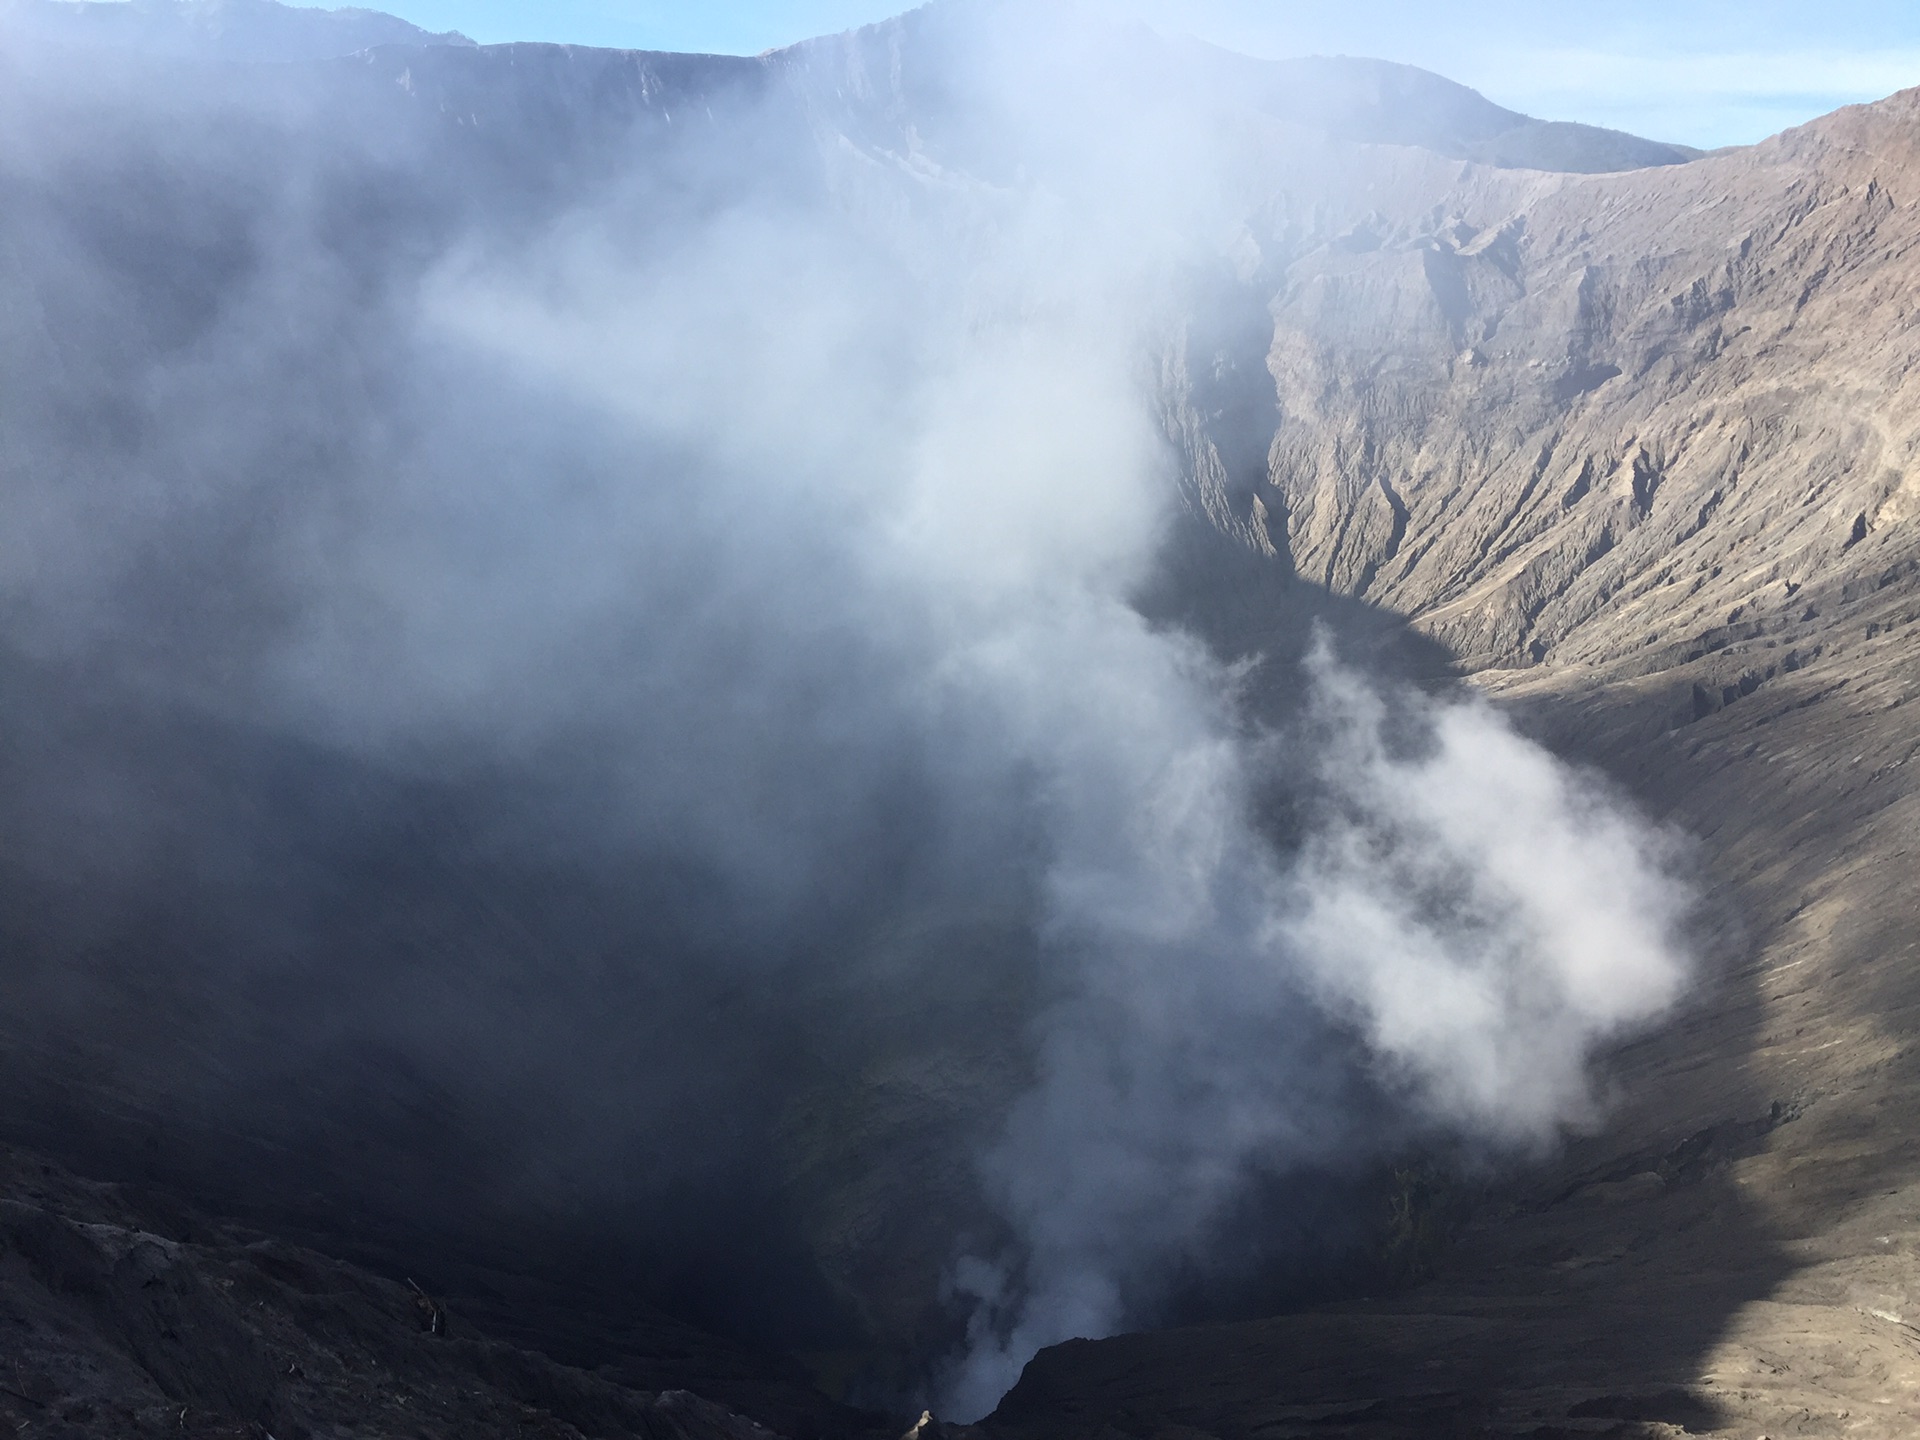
712 595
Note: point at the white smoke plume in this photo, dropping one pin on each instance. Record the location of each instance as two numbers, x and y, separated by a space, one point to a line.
1484 915
1489 914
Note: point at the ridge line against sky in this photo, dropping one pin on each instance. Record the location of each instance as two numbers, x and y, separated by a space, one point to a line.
1696 72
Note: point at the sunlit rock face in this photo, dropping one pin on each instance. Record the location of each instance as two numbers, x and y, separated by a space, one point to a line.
1585 378
827 690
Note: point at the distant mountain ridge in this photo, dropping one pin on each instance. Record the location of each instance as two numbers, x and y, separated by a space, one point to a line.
238 30
889 69
1344 98
1380 102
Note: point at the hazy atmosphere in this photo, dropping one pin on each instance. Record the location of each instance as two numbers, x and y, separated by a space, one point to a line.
997 680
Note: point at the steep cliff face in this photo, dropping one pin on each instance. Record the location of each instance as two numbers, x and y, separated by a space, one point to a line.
1528 410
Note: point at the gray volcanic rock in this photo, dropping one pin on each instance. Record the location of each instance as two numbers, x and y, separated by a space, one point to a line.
243 30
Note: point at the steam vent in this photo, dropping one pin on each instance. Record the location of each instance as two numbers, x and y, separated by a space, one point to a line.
997 728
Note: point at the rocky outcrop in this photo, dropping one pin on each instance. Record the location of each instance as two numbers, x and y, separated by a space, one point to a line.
127 1313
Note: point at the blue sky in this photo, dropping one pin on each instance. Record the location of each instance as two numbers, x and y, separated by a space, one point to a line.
1704 72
